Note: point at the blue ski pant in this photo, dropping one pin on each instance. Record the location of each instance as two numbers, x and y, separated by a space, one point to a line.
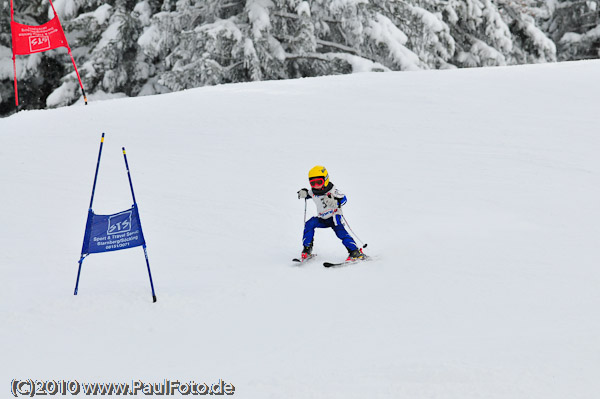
337 226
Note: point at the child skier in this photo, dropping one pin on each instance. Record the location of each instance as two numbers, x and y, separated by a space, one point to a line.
329 202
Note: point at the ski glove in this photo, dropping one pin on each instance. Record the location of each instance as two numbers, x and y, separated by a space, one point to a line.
303 193
331 202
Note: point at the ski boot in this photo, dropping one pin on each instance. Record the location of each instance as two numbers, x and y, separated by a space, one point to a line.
307 251
355 254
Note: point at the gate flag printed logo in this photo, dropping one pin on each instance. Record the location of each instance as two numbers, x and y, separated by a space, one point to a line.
106 233
39 43
28 39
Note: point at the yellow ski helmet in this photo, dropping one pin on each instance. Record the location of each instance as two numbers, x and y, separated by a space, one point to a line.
319 172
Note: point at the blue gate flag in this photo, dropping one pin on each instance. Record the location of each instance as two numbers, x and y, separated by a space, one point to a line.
104 233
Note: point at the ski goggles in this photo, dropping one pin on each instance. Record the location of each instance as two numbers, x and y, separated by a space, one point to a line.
317 182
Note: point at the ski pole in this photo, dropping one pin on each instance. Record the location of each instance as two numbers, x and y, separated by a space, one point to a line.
304 212
353 233
304 227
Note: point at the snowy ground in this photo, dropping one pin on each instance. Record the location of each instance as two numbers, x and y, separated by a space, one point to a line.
477 190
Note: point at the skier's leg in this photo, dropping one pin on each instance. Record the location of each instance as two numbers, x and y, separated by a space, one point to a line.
309 231
342 234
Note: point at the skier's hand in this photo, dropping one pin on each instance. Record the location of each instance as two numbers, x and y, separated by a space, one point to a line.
303 193
330 201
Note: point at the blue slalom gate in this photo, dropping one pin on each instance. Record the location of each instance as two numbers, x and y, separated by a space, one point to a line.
105 233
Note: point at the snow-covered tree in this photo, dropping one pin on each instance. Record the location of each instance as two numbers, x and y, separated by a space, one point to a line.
575 27
141 47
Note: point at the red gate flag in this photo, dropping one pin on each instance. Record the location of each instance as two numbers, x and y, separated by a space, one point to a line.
28 39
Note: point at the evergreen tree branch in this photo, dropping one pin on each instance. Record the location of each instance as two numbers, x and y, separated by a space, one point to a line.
338 46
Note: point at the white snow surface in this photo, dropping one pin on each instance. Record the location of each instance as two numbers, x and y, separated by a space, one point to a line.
476 190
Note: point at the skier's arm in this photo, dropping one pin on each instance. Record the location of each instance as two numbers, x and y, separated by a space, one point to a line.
340 197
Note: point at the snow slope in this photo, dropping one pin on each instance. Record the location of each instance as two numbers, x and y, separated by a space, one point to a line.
477 191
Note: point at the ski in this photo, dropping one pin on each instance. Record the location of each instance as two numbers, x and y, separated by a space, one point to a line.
329 264
298 260
345 263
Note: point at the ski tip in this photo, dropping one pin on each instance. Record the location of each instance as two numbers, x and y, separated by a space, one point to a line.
297 260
